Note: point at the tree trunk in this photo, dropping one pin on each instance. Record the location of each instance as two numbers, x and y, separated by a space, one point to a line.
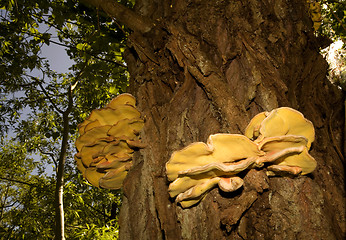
208 67
59 188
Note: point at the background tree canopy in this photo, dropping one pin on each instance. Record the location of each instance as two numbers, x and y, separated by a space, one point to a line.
334 19
34 99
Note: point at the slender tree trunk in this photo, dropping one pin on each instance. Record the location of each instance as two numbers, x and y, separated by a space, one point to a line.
208 67
59 189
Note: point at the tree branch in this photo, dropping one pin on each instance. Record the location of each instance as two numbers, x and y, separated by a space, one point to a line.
59 207
8 206
74 47
123 14
51 155
59 204
46 93
16 181
89 53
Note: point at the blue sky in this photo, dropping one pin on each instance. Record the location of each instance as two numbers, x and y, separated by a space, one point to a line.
57 57
60 62
55 54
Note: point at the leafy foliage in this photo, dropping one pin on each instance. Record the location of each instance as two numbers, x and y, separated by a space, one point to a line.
334 27
334 19
33 100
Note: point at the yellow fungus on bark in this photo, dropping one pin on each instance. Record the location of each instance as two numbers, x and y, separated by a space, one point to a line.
108 138
278 140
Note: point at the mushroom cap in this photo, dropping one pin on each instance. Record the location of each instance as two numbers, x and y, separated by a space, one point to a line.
107 141
191 202
102 147
79 164
109 116
278 143
92 135
230 184
182 184
303 160
122 156
91 152
276 147
113 183
126 127
220 169
221 148
102 157
81 126
281 137
91 125
274 170
93 176
119 147
287 121
116 163
114 178
252 130
197 191
122 99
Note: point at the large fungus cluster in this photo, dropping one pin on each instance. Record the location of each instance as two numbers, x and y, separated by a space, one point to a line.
278 140
108 138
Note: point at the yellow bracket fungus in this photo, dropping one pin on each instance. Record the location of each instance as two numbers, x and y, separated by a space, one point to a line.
279 139
108 138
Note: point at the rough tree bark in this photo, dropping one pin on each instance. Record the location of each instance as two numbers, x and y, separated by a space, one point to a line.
209 66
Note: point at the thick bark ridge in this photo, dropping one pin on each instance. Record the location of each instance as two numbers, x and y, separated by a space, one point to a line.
208 67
